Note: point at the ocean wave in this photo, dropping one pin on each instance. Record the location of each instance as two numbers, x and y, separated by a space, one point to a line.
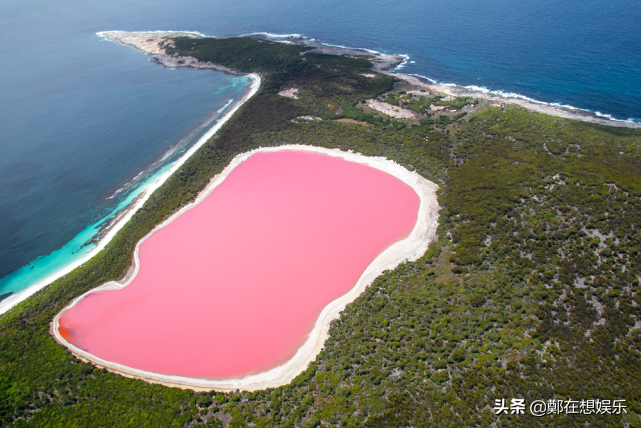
308 39
610 117
102 33
424 77
514 95
225 106
117 192
406 58
372 51
277 36
169 153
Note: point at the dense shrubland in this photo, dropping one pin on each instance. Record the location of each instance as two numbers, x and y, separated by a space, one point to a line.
531 291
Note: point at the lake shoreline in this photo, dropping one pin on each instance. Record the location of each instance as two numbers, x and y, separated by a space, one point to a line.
409 249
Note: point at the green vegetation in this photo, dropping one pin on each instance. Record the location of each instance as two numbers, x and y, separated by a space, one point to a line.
532 290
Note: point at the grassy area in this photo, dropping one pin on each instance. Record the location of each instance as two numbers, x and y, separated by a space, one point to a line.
532 290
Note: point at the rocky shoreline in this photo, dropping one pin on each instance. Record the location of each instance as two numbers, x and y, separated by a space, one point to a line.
499 101
154 44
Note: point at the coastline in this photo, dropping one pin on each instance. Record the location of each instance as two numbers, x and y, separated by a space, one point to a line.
389 64
148 42
16 298
565 112
381 63
408 249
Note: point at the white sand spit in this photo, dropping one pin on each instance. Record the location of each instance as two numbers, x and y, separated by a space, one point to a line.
409 249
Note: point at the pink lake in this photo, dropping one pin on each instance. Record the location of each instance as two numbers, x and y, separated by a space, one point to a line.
234 286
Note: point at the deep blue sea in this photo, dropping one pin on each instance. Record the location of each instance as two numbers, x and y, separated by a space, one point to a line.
81 117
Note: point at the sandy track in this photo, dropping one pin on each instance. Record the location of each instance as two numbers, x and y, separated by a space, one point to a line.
411 248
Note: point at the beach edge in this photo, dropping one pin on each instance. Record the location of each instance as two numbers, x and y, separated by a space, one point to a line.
10 302
409 249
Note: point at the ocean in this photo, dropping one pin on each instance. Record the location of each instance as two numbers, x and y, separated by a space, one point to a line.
86 124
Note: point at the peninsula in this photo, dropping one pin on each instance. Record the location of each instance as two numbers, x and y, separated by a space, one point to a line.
529 288
161 48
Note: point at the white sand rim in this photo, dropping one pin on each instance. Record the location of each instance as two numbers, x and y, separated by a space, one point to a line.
18 297
408 249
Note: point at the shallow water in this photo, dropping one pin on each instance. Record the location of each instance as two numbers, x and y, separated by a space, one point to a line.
307 224
81 115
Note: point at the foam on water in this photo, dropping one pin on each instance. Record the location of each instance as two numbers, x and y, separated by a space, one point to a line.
505 94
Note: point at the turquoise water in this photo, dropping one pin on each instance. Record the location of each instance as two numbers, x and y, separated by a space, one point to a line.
82 117
77 248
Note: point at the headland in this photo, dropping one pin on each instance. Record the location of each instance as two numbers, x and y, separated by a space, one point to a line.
156 44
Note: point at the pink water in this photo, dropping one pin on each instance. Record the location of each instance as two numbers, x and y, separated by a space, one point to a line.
233 286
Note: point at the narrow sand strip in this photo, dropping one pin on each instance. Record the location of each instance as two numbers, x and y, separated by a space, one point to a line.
411 248
18 297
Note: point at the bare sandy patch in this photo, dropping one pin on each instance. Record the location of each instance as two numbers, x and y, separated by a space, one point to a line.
352 121
307 119
289 93
390 110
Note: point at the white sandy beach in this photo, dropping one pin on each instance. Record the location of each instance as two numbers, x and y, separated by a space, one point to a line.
148 42
409 249
16 298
